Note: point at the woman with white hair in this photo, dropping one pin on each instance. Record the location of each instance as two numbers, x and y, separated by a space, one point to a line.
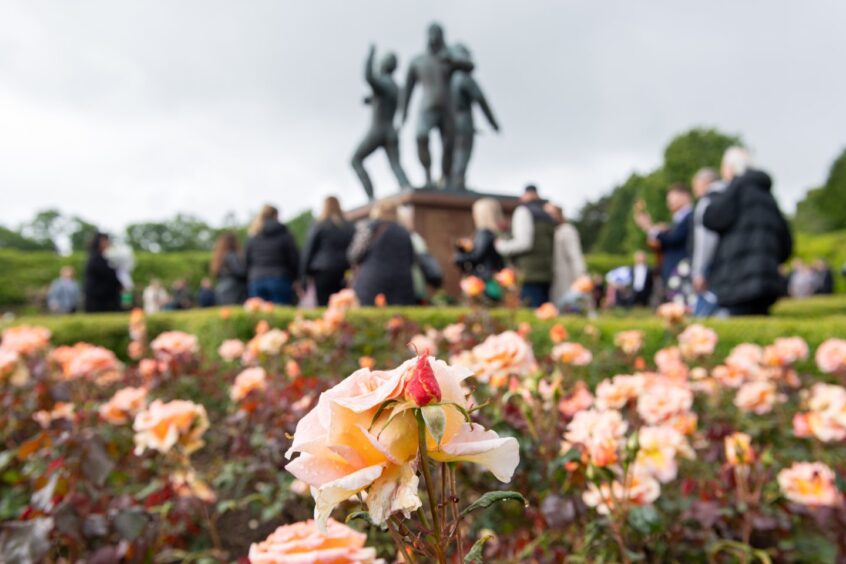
754 238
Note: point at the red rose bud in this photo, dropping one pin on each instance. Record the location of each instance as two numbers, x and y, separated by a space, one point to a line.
422 387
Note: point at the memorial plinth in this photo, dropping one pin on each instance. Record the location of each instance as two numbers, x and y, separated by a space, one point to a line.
441 218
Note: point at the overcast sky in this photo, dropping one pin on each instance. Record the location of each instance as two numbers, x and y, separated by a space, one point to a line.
134 110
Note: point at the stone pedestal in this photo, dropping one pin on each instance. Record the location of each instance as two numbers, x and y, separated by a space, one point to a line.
441 218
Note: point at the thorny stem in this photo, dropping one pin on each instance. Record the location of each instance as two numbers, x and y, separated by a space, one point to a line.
407 556
430 489
453 502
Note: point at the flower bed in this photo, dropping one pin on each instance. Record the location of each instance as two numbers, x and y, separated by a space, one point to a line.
197 435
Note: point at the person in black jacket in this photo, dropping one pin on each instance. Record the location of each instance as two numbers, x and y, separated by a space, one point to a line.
325 253
102 287
383 252
754 238
479 257
272 258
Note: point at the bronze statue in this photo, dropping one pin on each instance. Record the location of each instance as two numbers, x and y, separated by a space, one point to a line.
464 92
432 70
382 132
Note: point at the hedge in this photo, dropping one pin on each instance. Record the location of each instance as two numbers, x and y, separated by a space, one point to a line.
27 275
110 330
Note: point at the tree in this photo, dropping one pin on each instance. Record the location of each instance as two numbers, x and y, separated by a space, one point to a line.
299 226
182 233
10 239
824 209
685 154
590 219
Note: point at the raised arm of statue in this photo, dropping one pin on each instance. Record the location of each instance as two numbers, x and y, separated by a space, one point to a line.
407 91
369 75
479 96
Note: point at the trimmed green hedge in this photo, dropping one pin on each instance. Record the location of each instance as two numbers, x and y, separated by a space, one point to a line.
110 330
27 275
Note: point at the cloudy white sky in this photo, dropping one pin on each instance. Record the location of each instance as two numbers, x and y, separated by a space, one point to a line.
134 110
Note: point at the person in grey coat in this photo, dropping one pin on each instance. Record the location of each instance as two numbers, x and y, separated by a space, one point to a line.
384 255
706 184
64 294
227 267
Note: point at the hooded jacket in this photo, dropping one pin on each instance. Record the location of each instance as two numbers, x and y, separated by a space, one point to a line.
754 240
272 253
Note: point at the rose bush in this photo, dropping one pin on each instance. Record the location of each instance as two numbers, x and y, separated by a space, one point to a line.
711 446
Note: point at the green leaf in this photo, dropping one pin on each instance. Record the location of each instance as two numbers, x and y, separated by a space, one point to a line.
363 515
435 419
490 498
382 408
645 519
475 554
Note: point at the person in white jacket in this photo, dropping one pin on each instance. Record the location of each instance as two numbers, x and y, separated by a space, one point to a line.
568 262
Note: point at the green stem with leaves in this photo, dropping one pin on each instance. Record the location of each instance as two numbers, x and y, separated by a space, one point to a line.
430 486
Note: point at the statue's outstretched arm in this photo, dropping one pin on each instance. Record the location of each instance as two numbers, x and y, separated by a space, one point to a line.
408 89
369 75
479 96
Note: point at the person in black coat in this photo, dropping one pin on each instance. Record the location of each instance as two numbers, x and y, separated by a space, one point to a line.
325 253
479 257
272 259
102 287
384 255
228 268
755 239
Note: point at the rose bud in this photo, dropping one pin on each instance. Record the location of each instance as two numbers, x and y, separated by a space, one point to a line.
422 388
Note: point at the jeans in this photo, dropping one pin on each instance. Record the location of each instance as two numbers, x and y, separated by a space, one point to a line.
276 289
706 305
535 294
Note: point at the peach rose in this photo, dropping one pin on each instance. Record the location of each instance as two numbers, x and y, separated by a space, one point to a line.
785 351
599 434
126 403
148 368
810 483
630 342
257 305
697 341
343 451
672 313
185 483
175 344
500 356
738 448
366 362
546 312
251 379
506 278
831 356
660 447
452 333
747 358
618 391
572 353
344 300
26 340
472 286
61 410
558 334
579 400
231 349
269 343
758 397
421 343
583 285
164 425
305 543
661 401
94 363
826 419
12 368
640 489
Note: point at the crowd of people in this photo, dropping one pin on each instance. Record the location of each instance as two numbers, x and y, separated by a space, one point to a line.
723 253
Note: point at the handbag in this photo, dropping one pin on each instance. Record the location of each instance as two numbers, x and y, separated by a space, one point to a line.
431 269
